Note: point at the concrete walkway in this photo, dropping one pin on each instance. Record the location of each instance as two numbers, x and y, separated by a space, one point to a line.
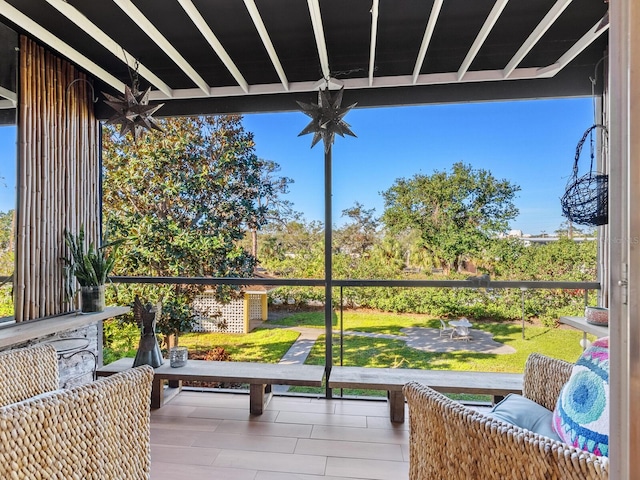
301 348
429 340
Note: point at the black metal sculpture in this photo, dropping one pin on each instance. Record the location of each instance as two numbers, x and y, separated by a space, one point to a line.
146 317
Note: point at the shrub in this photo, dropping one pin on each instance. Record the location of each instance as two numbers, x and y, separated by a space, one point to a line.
120 340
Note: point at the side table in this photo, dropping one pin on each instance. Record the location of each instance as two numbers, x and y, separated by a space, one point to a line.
581 323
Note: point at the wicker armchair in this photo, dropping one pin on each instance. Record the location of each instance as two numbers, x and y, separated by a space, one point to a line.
449 440
95 431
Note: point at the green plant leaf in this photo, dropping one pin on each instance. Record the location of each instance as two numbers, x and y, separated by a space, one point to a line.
91 267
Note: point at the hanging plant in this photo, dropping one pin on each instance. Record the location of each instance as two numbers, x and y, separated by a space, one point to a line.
586 198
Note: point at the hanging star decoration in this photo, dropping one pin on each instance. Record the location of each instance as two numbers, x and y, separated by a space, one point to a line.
326 118
133 112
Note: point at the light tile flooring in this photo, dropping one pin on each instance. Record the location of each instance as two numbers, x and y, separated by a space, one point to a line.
202 435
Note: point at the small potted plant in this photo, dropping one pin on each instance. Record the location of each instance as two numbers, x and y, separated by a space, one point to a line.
90 267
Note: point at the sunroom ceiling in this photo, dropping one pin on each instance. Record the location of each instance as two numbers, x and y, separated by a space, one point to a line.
203 56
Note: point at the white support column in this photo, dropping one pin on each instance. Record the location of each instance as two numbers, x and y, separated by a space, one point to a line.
624 231
632 343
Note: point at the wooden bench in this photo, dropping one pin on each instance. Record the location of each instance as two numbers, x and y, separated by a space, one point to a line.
393 379
259 376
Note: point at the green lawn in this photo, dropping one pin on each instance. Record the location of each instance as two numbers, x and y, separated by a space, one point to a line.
269 345
379 352
261 345
374 352
378 322
362 351
303 319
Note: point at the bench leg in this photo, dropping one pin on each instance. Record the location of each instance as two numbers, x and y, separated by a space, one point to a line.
396 405
259 396
158 394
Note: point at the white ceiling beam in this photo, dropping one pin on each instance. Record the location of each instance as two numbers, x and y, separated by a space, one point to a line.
355 83
7 104
330 84
536 35
318 31
211 38
374 39
25 23
266 41
426 39
577 48
9 95
489 23
107 42
154 34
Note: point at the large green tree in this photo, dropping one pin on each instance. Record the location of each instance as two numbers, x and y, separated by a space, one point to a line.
184 198
275 209
455 212
294 249
359 234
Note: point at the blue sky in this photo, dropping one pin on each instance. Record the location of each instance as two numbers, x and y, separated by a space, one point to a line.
8 155
530 143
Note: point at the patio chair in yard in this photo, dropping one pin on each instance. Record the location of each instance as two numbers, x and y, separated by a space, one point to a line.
450 440
461 333
444 330
95 431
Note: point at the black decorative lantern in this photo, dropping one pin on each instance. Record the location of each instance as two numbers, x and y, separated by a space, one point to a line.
326 118
133 112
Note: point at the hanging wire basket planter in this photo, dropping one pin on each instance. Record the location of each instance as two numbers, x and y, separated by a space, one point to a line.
586 198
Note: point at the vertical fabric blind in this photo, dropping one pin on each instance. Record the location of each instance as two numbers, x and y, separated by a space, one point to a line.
58 177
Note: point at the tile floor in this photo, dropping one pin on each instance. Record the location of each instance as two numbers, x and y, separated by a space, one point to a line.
202 435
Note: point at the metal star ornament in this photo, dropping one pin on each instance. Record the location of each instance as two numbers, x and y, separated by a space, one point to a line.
133 112
326 118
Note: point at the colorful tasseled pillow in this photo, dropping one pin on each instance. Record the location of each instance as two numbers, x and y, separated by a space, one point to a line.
581 416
